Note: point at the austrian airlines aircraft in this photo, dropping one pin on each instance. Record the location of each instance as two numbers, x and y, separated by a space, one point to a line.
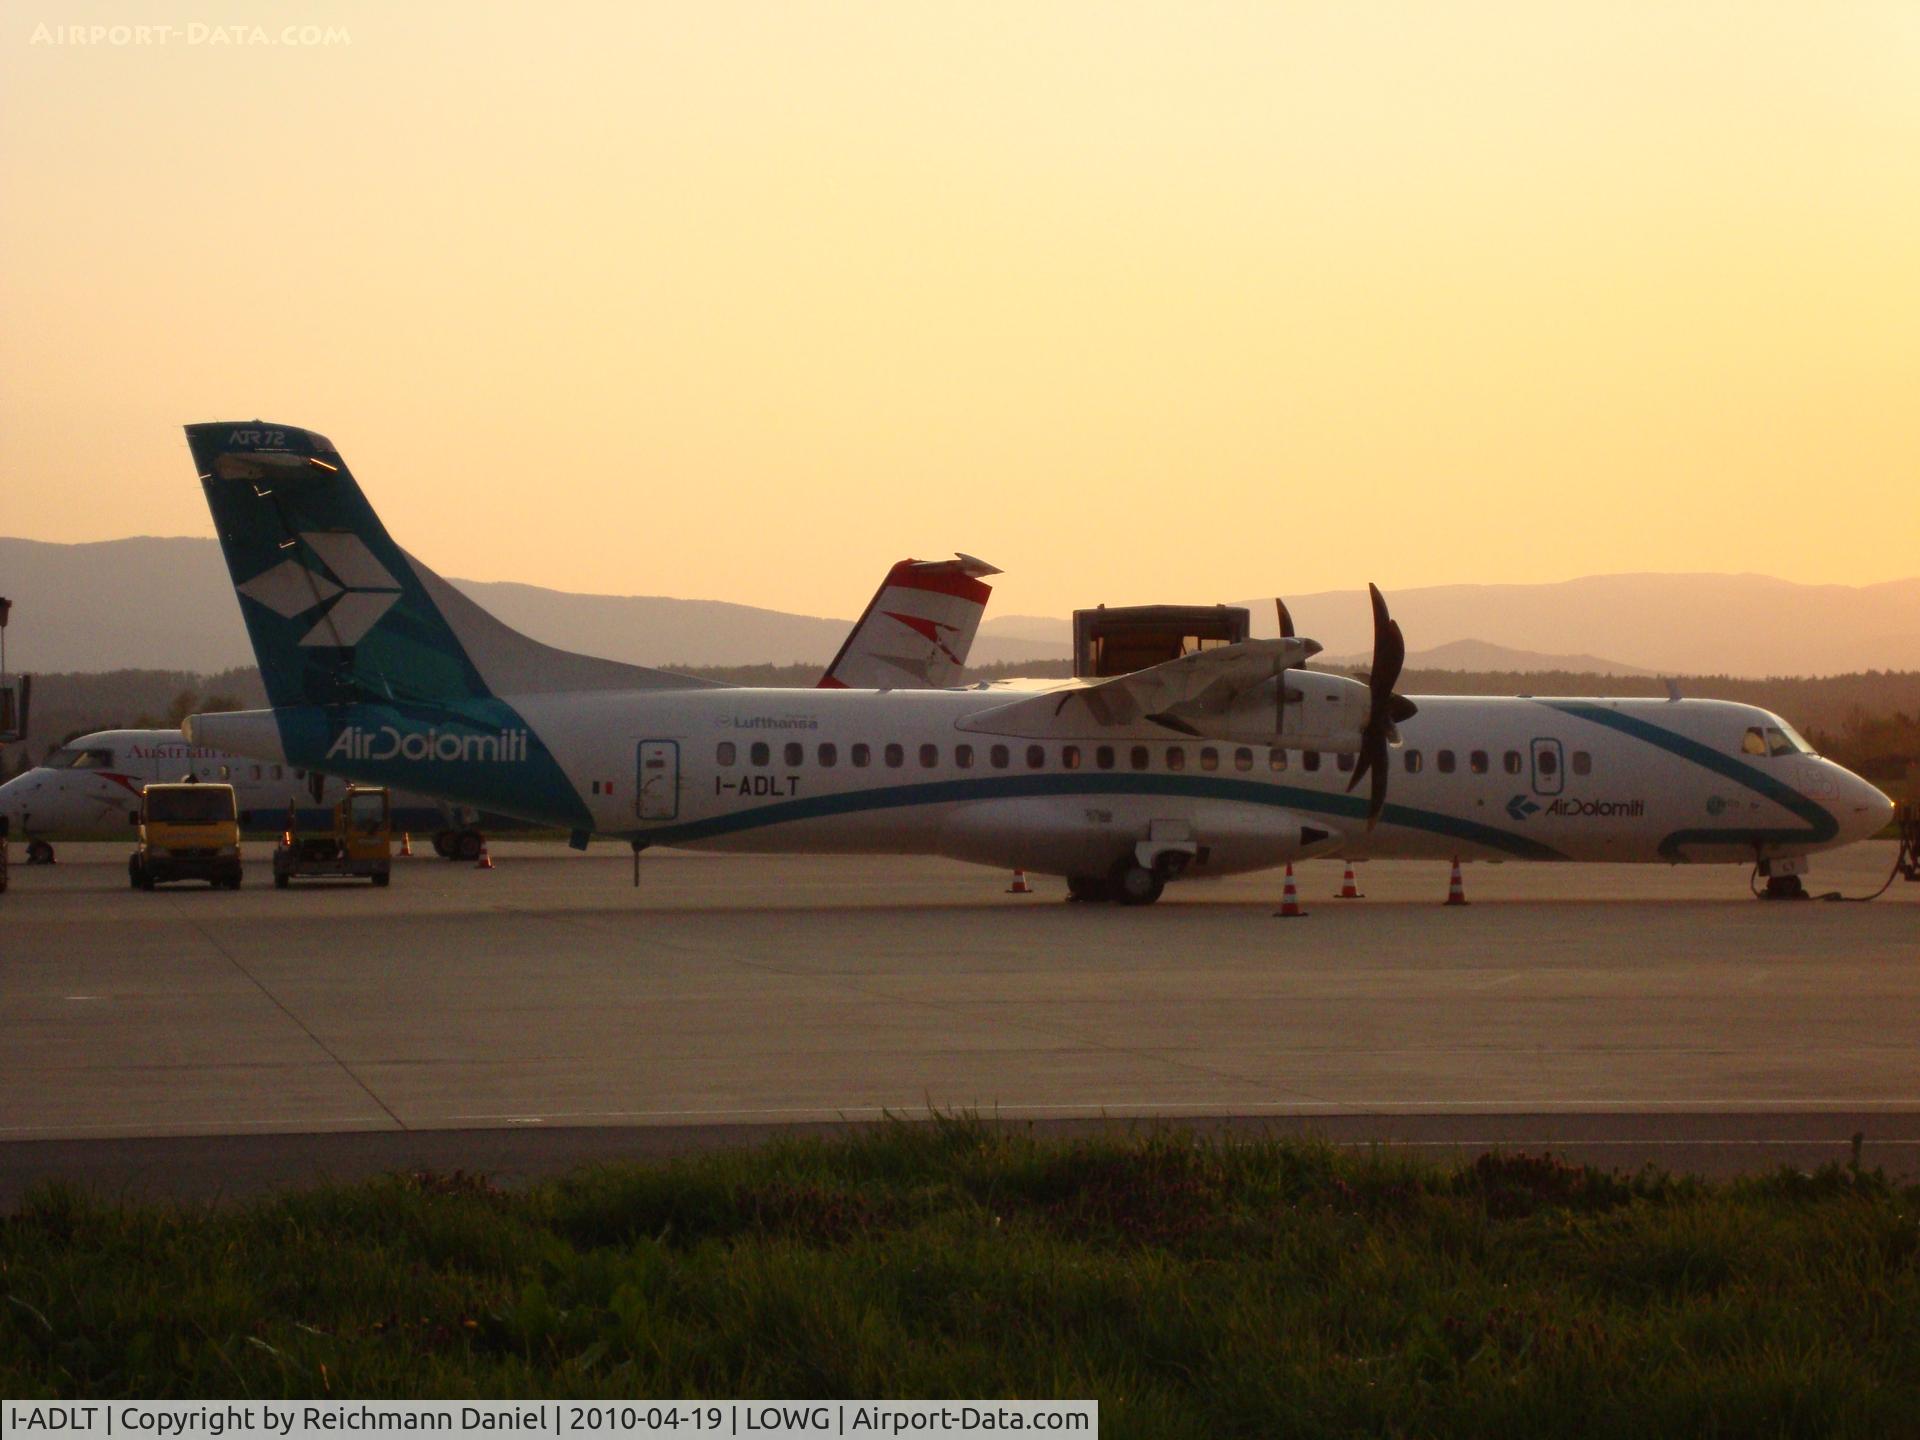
1229 759
915 633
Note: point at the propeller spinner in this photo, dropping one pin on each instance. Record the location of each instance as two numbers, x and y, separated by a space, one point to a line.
1386 709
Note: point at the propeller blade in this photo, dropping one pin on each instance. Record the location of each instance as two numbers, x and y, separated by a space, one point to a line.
1385 709
1280 675
1377 800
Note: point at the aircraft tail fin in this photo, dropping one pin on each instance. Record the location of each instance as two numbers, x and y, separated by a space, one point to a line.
917 629
337 612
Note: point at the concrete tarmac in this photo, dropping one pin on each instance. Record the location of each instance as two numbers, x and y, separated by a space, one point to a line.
1615 1013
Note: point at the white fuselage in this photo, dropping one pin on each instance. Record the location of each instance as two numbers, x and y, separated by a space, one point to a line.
92 785
899 772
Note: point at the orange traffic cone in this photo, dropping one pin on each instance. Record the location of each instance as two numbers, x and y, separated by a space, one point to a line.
406 844
1290 900
1348 889
1456 891
485 862
1020 885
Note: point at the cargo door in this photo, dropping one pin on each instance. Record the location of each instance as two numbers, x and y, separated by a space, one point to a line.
658 792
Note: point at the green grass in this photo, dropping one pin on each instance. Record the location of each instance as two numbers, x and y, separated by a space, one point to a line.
1194 1287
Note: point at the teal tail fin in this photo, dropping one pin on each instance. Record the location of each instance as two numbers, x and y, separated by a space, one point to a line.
338 614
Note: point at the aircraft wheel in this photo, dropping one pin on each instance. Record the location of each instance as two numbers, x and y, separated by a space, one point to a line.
466 845
443 844
1136 885
1785 887
1085 889
39 852
281 880
381 879
133 871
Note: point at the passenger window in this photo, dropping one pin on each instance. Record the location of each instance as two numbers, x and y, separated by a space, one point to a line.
226 772
1000 757
963 756
1344 761
929 756
1413 762
759 754
896 756
1070 757
1103 757
861 754
1582 763
829 755
1243 759
1477 762
1310 759
1176 758
1276 759
1036 757
1512 761
278 773
1139 758
1755 742
257 772
1444 759
796 753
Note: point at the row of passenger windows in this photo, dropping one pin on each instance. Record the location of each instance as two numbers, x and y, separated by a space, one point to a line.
1107 757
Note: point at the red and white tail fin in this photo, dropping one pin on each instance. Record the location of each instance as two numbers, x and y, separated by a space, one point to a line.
916 630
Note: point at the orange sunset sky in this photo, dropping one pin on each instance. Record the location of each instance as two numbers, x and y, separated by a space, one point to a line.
1139 302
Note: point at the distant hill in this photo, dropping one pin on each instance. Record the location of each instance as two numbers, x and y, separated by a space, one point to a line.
165 604
1480 657
1669 624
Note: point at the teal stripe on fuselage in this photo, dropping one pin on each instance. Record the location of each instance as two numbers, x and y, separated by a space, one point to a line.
1821 825
1011 787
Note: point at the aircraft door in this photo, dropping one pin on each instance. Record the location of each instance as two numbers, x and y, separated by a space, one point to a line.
1549 767
658 791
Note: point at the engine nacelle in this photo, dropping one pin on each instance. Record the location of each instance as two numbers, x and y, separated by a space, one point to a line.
1322 712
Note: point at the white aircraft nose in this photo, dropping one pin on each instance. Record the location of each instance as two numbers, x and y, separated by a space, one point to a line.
1866 811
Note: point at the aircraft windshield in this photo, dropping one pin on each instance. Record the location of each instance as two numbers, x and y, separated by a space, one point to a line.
69 758
1778 738
190 804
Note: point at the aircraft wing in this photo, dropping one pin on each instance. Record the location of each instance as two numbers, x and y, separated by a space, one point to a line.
917 629
1177 695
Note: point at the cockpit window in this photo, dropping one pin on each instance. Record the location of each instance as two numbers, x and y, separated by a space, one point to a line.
69 758
1778 738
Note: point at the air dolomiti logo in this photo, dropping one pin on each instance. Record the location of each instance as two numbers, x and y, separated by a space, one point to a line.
1572 807
387 742
352 585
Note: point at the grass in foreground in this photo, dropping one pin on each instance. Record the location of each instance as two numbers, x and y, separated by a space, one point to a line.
1194 1287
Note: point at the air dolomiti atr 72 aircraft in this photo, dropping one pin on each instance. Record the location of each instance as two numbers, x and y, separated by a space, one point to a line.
1225 760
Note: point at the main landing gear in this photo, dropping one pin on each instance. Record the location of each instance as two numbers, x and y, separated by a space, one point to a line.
1128 883
39 852
459 845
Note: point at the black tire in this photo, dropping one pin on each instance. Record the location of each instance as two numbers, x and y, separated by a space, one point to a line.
133 871
1785 887
1136 885
39 852
443 844
466 845
281 880
381 879
1086 889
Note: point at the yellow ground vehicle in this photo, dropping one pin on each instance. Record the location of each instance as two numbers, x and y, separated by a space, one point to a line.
187 832
359 845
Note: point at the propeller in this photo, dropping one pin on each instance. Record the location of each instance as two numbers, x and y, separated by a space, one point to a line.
1385 709
1280 675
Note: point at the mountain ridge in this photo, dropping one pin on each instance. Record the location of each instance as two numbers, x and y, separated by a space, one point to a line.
164 602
